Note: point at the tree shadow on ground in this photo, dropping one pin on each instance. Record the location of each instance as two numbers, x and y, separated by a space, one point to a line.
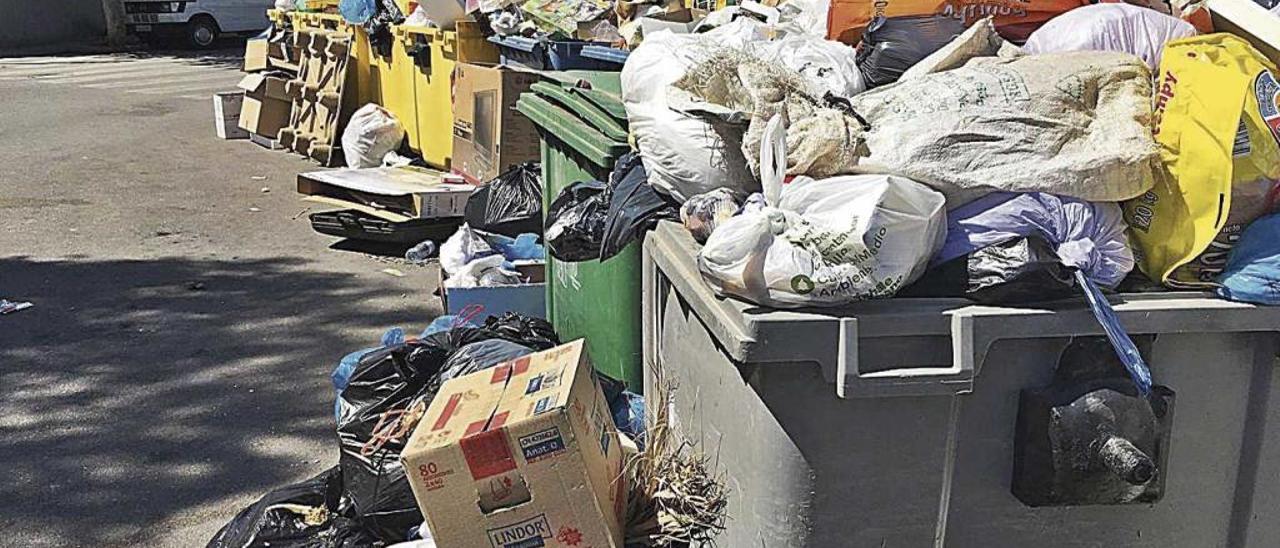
135 392
229 53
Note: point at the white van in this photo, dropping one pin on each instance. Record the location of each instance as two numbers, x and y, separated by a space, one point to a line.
197 22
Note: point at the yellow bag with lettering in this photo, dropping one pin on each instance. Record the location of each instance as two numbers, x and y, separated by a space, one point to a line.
1218 126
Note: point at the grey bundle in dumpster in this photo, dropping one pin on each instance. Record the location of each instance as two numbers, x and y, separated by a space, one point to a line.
1076 124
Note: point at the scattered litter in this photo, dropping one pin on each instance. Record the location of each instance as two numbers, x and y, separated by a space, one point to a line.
259 177
266 189
300 214
195 286
9 307
254 209
392 272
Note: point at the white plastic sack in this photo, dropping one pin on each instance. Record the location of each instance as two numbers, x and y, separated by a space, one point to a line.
686 155
371 133
1110 27
484 272
683 155
824 242
827 65
286 5
465 246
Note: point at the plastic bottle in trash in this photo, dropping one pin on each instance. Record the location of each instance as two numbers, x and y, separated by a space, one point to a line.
421 252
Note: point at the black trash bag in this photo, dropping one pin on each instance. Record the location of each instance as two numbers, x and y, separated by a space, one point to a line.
575 222
1019 271
387 381
535 333
590 220
478 356
311 514
890 46
634 206
511 204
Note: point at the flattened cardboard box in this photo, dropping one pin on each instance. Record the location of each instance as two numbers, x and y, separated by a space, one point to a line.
521 455
488 134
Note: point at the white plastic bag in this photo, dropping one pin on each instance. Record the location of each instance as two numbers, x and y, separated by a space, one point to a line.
484 272
684 155
1110 27
827 65
824 242
465 246
286 5
371 133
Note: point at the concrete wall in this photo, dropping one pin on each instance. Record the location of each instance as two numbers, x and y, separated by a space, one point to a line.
44 23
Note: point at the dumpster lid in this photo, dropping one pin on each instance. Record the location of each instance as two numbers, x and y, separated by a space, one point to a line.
588 142
583 108
750 333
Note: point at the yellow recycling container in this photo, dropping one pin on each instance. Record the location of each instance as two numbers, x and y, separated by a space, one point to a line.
394 72
434 54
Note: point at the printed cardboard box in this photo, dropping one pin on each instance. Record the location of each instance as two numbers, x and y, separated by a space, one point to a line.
489 136
521 455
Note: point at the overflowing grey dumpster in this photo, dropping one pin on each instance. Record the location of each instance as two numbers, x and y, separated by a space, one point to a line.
909 422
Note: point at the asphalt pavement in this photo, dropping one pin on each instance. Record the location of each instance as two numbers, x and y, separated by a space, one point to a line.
176 363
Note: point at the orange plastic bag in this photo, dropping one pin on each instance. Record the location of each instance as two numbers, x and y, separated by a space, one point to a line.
1015 19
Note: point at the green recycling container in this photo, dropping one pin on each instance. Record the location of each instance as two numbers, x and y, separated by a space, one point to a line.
582 137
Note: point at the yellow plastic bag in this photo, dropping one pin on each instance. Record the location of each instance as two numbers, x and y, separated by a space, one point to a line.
1218 127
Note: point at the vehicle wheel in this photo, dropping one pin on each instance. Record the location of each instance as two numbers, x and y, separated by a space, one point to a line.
202 32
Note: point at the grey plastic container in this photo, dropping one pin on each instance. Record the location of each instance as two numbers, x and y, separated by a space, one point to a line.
891 423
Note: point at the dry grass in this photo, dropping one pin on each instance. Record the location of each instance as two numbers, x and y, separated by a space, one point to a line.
675 499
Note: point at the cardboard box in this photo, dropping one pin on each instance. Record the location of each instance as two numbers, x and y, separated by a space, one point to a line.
226 115
681 21
529 298
405 192
521 455
255 54
489 136
266 105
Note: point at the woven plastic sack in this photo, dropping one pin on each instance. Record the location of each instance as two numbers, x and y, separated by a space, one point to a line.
1110 27
1074 124
824 242
1221 161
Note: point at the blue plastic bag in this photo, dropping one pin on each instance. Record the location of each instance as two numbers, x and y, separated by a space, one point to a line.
358 11
1119 338
1253 270
1088 236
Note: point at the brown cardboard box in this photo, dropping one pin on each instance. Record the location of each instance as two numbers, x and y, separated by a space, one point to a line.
255 54
266 106
488 134
520 455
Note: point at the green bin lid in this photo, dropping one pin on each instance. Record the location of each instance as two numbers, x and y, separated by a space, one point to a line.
582 108
570 129
605 92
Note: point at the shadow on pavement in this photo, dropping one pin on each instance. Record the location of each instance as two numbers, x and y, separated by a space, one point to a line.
137 391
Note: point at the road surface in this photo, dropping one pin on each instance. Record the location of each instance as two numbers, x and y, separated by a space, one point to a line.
175 364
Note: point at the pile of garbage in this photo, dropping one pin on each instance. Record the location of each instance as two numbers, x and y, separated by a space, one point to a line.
821 155
388 395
